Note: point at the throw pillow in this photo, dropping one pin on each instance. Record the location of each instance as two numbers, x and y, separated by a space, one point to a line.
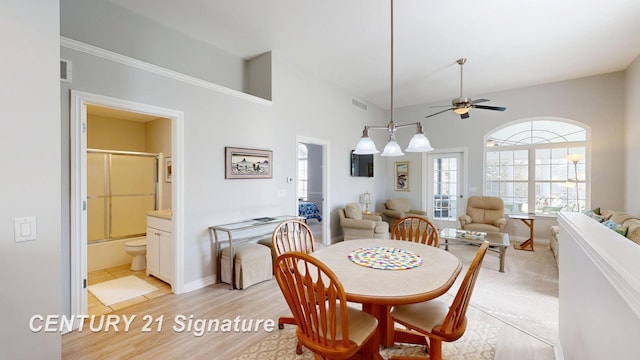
607 214
353 211
594 215
610 224
622 230
633 233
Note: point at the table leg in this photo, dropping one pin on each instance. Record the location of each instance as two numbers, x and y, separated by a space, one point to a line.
503 251
385 322
446 244
528 244
386 330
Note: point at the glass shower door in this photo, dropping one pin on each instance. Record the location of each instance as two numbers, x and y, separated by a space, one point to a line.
121 188
132 184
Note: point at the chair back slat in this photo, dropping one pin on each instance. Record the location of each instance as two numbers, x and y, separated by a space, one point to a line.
416 229
317 300
292 235
455 322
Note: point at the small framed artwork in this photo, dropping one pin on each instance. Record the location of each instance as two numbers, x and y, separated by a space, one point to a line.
402 176
243 163
167 169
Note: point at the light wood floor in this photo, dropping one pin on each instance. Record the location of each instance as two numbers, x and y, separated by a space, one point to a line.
261 301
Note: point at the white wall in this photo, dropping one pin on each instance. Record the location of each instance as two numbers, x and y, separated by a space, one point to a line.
596 101
106 25
632 107
30 142
302 105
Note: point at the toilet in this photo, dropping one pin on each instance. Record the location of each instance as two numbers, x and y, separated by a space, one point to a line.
137 249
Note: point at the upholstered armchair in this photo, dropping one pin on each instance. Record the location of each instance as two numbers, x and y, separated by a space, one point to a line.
396 209
484 213
356 225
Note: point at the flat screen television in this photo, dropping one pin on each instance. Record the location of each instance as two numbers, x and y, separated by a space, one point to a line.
361 165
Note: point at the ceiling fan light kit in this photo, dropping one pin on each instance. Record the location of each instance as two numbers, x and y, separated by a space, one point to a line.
463 104
419 142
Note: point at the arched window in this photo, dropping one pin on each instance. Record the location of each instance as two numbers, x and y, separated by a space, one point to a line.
538 166
303 177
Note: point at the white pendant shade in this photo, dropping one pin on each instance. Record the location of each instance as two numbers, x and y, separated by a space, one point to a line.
366 146
392 149
419 143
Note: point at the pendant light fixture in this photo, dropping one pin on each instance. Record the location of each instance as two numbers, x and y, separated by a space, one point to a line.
419 142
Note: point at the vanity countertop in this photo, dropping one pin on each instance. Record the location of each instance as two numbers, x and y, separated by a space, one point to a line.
163 214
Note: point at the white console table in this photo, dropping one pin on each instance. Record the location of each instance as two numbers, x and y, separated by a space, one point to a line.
242 232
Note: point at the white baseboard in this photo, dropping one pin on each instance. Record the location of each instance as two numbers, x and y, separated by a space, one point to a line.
199 284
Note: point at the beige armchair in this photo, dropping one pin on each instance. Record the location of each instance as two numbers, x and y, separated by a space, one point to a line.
396 209
356 225
484 213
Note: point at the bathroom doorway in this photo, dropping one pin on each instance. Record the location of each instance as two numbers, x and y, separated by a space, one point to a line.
127 132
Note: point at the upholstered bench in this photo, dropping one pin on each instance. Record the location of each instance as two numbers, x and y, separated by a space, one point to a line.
252 264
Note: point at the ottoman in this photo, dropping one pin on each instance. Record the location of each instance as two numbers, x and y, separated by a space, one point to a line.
268 242
252 264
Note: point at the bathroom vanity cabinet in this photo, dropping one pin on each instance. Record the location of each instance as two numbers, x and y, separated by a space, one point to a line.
160 247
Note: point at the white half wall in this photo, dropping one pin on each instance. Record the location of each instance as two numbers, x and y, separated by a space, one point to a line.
599 306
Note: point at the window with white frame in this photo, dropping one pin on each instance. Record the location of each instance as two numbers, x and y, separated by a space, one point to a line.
538 166
303 177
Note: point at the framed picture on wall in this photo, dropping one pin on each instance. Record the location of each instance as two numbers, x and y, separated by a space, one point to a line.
167 169
242 163
401 176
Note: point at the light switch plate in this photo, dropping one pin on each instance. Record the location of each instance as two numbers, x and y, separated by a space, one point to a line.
25 228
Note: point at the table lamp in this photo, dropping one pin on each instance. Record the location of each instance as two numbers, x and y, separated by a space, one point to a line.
365 198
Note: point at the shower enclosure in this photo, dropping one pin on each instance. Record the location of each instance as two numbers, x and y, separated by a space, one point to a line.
121 188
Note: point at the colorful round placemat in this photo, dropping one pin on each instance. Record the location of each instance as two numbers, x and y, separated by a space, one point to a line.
385 258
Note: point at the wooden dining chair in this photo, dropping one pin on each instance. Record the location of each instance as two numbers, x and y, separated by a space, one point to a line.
437 321
292 235
326 325
288 236
417 229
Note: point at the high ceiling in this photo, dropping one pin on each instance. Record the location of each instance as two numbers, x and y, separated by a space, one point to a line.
508 44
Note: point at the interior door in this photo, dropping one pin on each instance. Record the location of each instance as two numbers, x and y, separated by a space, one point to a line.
444 188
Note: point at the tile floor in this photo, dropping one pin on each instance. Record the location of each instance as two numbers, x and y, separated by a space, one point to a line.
98 276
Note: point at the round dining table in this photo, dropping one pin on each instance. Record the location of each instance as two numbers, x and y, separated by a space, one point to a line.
381 273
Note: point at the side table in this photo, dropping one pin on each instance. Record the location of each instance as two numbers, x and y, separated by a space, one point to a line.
527 220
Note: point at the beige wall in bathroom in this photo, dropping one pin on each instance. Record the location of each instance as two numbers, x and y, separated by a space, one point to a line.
158 138
115 134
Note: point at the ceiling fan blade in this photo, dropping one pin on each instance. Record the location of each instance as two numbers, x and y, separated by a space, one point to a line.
479 101
464 116
486 107
439 112
437 106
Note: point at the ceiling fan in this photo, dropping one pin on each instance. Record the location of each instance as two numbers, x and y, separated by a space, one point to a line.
462 104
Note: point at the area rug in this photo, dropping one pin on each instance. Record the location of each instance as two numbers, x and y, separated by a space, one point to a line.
121 289
477 343
524 296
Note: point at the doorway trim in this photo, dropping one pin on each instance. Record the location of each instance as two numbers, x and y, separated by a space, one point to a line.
78 245
326 223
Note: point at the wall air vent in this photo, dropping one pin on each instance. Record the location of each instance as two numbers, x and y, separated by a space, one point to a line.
359 104
65 70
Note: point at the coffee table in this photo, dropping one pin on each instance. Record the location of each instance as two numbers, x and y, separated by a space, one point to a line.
498 242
